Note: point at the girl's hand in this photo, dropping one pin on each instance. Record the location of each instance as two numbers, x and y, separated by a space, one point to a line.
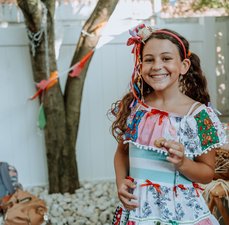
125 195
176 153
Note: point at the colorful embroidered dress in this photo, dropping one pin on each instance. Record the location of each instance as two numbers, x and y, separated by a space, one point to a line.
164 195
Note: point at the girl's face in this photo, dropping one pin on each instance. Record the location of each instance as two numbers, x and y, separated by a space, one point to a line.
162 65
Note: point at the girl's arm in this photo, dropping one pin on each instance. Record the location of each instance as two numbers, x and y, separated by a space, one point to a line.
201 170
121 165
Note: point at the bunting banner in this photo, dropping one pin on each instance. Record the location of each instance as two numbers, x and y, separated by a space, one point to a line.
53 79
75 72
80 65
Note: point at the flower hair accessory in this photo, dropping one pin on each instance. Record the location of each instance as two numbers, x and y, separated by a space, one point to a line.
139 34
142 32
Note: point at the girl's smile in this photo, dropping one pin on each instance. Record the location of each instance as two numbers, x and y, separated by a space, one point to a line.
158 77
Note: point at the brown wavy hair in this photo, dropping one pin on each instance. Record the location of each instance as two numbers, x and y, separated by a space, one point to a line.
192 84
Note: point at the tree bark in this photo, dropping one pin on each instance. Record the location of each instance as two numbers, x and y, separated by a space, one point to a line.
52 99
62 112
74 86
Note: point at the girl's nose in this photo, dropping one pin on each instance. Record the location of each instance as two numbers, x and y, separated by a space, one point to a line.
156 66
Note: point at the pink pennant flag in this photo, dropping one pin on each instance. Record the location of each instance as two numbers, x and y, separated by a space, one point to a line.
80 65
43 84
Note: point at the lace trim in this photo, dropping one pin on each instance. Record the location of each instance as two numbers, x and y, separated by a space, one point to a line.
188 154
146 147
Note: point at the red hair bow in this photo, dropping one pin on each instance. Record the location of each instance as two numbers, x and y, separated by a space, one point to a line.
136 40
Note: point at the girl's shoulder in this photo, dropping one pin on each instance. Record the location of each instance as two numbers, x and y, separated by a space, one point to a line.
202 130
200 112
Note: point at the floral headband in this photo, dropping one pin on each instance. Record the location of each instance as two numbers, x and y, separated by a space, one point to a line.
142 32
139 35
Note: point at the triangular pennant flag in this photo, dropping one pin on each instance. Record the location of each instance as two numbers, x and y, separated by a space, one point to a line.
36 94
53 79
41 118
80 65
46 84
43 84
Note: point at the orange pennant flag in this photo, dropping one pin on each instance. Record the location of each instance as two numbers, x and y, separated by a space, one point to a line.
46 84
36 94
80 65
53 79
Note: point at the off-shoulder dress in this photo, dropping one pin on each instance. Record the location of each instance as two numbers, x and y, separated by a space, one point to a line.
164 195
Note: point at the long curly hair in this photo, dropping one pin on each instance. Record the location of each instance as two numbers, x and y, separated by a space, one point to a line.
192 84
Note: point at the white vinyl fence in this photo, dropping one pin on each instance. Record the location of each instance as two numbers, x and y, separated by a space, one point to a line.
22 143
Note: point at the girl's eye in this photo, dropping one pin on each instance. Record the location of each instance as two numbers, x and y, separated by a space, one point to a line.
148 60
166 59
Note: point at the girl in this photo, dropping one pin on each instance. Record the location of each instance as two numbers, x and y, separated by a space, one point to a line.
166 134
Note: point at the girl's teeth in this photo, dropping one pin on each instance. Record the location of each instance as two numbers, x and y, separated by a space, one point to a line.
159 76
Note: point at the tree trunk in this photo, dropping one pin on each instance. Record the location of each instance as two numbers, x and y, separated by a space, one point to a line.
74 86
52 99
62 113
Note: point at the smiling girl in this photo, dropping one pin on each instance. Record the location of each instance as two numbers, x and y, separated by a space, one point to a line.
159 183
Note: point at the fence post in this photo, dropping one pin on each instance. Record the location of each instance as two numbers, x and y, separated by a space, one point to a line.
209 49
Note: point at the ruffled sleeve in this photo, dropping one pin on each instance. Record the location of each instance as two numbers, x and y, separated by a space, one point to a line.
146 125
202 131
